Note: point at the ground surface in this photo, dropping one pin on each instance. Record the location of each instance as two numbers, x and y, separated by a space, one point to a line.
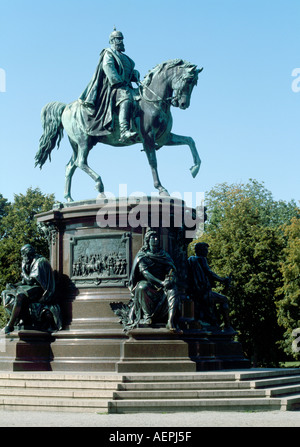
200 419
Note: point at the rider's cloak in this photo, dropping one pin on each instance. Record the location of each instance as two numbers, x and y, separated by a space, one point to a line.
96 103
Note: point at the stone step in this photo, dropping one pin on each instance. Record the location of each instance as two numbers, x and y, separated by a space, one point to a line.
192 385
214 376
64 384
179 377
54 376
267 376
292 402
116 393
277 381
57 392
35 403
57 403
284 390
258 374
192 394
36 382
184 405
277 386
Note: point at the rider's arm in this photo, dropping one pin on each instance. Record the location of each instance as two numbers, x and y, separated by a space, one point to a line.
135 76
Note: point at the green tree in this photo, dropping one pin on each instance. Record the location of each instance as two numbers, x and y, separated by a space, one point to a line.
4 207
18 227
289 305
270 212
246 241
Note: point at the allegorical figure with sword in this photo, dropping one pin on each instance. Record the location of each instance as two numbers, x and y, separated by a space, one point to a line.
152 283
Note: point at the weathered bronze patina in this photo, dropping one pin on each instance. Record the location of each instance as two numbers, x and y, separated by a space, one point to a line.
32 299
200 279
155 298
110 89
110 111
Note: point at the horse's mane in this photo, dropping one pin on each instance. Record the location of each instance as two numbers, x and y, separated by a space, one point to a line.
190 71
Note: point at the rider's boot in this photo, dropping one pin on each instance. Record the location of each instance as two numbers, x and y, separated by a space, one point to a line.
124 120
125 133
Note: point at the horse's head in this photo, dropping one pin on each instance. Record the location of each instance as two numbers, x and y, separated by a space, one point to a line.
183 82
172 80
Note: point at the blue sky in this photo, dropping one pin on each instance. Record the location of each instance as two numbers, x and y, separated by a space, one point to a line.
244 115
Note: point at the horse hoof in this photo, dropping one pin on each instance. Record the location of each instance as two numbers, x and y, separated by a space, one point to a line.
101 195
164 193
194 170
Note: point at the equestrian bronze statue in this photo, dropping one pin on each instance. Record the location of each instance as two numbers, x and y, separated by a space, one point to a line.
112 112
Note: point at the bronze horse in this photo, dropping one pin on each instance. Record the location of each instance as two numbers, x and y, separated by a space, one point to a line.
169 83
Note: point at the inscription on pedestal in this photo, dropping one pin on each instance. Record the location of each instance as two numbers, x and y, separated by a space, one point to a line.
100 260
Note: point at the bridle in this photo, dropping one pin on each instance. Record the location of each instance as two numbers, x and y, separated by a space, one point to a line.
168 101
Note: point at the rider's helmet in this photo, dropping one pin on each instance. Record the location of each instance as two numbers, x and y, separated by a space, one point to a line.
114 34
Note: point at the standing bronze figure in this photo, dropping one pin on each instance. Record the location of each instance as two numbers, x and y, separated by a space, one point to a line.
110 111
200 280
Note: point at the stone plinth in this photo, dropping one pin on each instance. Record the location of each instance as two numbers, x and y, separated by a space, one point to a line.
93 245
26 350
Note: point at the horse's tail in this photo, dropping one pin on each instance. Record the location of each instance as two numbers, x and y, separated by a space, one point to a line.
53 131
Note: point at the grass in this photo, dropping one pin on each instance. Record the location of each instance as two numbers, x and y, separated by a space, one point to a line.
292 364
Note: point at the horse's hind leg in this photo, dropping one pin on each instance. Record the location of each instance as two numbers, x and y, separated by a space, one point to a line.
81 162
70 169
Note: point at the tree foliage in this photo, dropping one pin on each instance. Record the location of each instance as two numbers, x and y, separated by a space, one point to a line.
4 207
246 241
270 212
289 305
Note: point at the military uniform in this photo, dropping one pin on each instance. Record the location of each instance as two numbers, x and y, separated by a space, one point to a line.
109 88
120 72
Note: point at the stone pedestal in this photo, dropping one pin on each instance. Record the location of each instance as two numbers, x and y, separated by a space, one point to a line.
26 350
93 245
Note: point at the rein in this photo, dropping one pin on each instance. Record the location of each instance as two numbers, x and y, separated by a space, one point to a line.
159 99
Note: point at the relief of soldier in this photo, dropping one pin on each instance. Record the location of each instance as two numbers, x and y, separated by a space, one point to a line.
106 265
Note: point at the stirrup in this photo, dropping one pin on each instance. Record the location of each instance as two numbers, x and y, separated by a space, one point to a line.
127 135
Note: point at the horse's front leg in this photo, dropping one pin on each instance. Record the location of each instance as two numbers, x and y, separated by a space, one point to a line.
177 140
151 155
